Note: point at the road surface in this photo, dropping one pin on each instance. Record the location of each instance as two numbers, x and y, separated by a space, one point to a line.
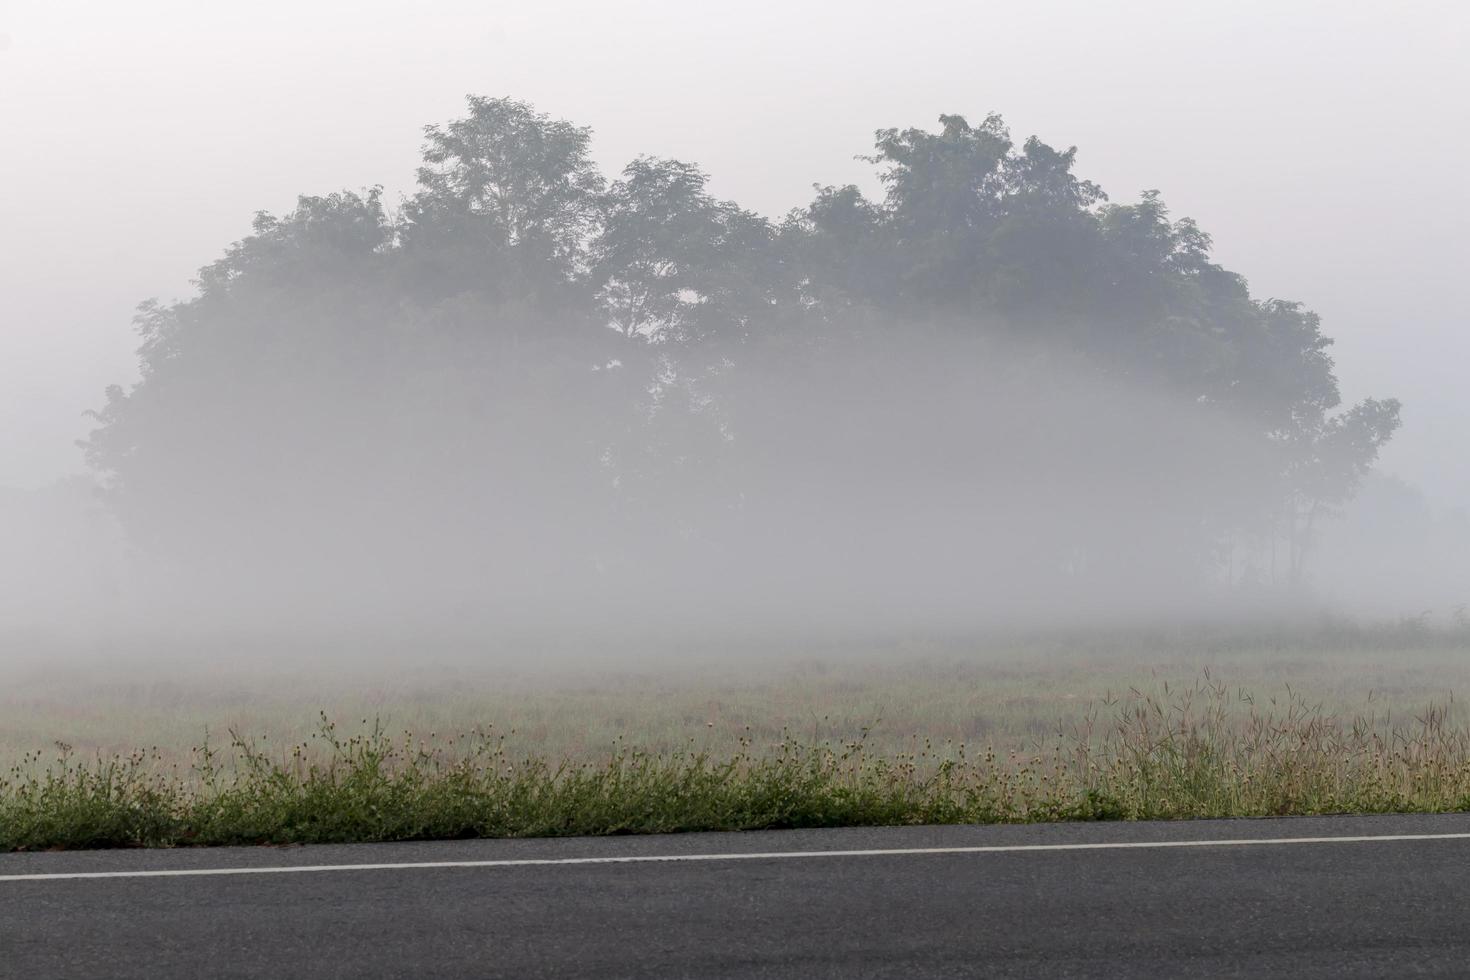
1323 897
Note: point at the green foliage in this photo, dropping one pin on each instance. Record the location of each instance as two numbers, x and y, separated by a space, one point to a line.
457 353
509 177
670 258
1201 751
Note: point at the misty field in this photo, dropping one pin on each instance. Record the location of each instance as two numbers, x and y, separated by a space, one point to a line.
575 700
1142 725
873 482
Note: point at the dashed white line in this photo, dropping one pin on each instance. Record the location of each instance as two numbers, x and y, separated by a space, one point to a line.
737 856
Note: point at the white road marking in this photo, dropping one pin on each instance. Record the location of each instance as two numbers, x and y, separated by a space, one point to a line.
751 856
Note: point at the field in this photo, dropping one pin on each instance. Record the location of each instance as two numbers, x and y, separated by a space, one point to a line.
109 749
576 701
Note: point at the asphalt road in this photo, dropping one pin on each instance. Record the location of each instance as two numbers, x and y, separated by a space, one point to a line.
1301 909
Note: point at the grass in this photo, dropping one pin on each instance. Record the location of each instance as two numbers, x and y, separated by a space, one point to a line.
1204 750
563 704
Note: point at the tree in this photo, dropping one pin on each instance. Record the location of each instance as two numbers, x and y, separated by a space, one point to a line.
1328 456
511 180
660 249
943 202
992 381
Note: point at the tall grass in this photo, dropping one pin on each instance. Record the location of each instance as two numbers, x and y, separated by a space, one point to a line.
1200 751
986 691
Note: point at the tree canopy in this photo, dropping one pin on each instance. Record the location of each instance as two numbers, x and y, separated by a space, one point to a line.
527 380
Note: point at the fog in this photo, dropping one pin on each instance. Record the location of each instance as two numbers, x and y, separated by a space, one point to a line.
957 486
542 385
949 486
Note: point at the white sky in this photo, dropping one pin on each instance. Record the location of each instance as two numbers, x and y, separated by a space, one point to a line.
1323 144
